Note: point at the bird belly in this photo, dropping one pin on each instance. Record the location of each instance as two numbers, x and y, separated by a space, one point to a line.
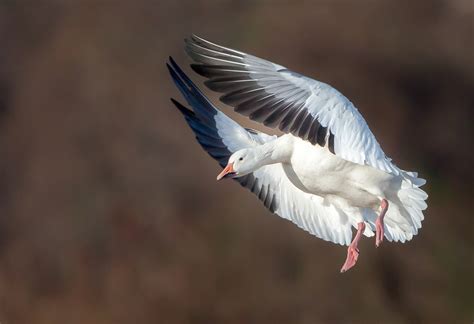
316 170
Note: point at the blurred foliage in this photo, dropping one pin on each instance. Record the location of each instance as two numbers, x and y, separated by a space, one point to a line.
109 211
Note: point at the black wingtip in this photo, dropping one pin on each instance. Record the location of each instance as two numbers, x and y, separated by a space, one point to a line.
174 101
191 39
181 73
172 70
198 68
185 111
178 105
168 66
175 76
195 98
172 61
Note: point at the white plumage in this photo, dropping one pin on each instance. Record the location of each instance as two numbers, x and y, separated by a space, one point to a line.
327 174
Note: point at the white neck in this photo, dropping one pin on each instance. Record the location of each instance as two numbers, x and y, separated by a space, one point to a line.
276 151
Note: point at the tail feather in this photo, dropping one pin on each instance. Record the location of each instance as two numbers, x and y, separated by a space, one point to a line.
405 213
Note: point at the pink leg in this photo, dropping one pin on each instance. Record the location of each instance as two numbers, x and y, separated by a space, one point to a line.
379 234
352 250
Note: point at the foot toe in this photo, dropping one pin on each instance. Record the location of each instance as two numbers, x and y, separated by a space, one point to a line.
351 260
379 234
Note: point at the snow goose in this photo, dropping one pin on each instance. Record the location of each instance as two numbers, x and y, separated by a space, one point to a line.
326 174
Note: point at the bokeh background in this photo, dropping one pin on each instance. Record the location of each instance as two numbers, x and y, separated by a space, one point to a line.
110 212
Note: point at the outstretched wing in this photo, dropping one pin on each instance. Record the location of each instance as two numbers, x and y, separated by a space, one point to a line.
279 98
220 136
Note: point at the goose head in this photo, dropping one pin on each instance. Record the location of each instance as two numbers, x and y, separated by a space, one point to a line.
240 163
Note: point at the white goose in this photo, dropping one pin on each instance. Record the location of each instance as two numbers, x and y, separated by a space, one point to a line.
327 174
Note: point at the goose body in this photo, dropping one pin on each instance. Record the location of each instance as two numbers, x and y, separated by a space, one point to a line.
359 185
303 163
327 173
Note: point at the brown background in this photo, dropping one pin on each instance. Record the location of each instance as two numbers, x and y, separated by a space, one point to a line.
109 210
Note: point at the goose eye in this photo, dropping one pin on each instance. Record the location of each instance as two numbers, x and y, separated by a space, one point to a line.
240 159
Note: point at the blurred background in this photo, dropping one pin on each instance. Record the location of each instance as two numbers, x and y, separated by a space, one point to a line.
110 212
